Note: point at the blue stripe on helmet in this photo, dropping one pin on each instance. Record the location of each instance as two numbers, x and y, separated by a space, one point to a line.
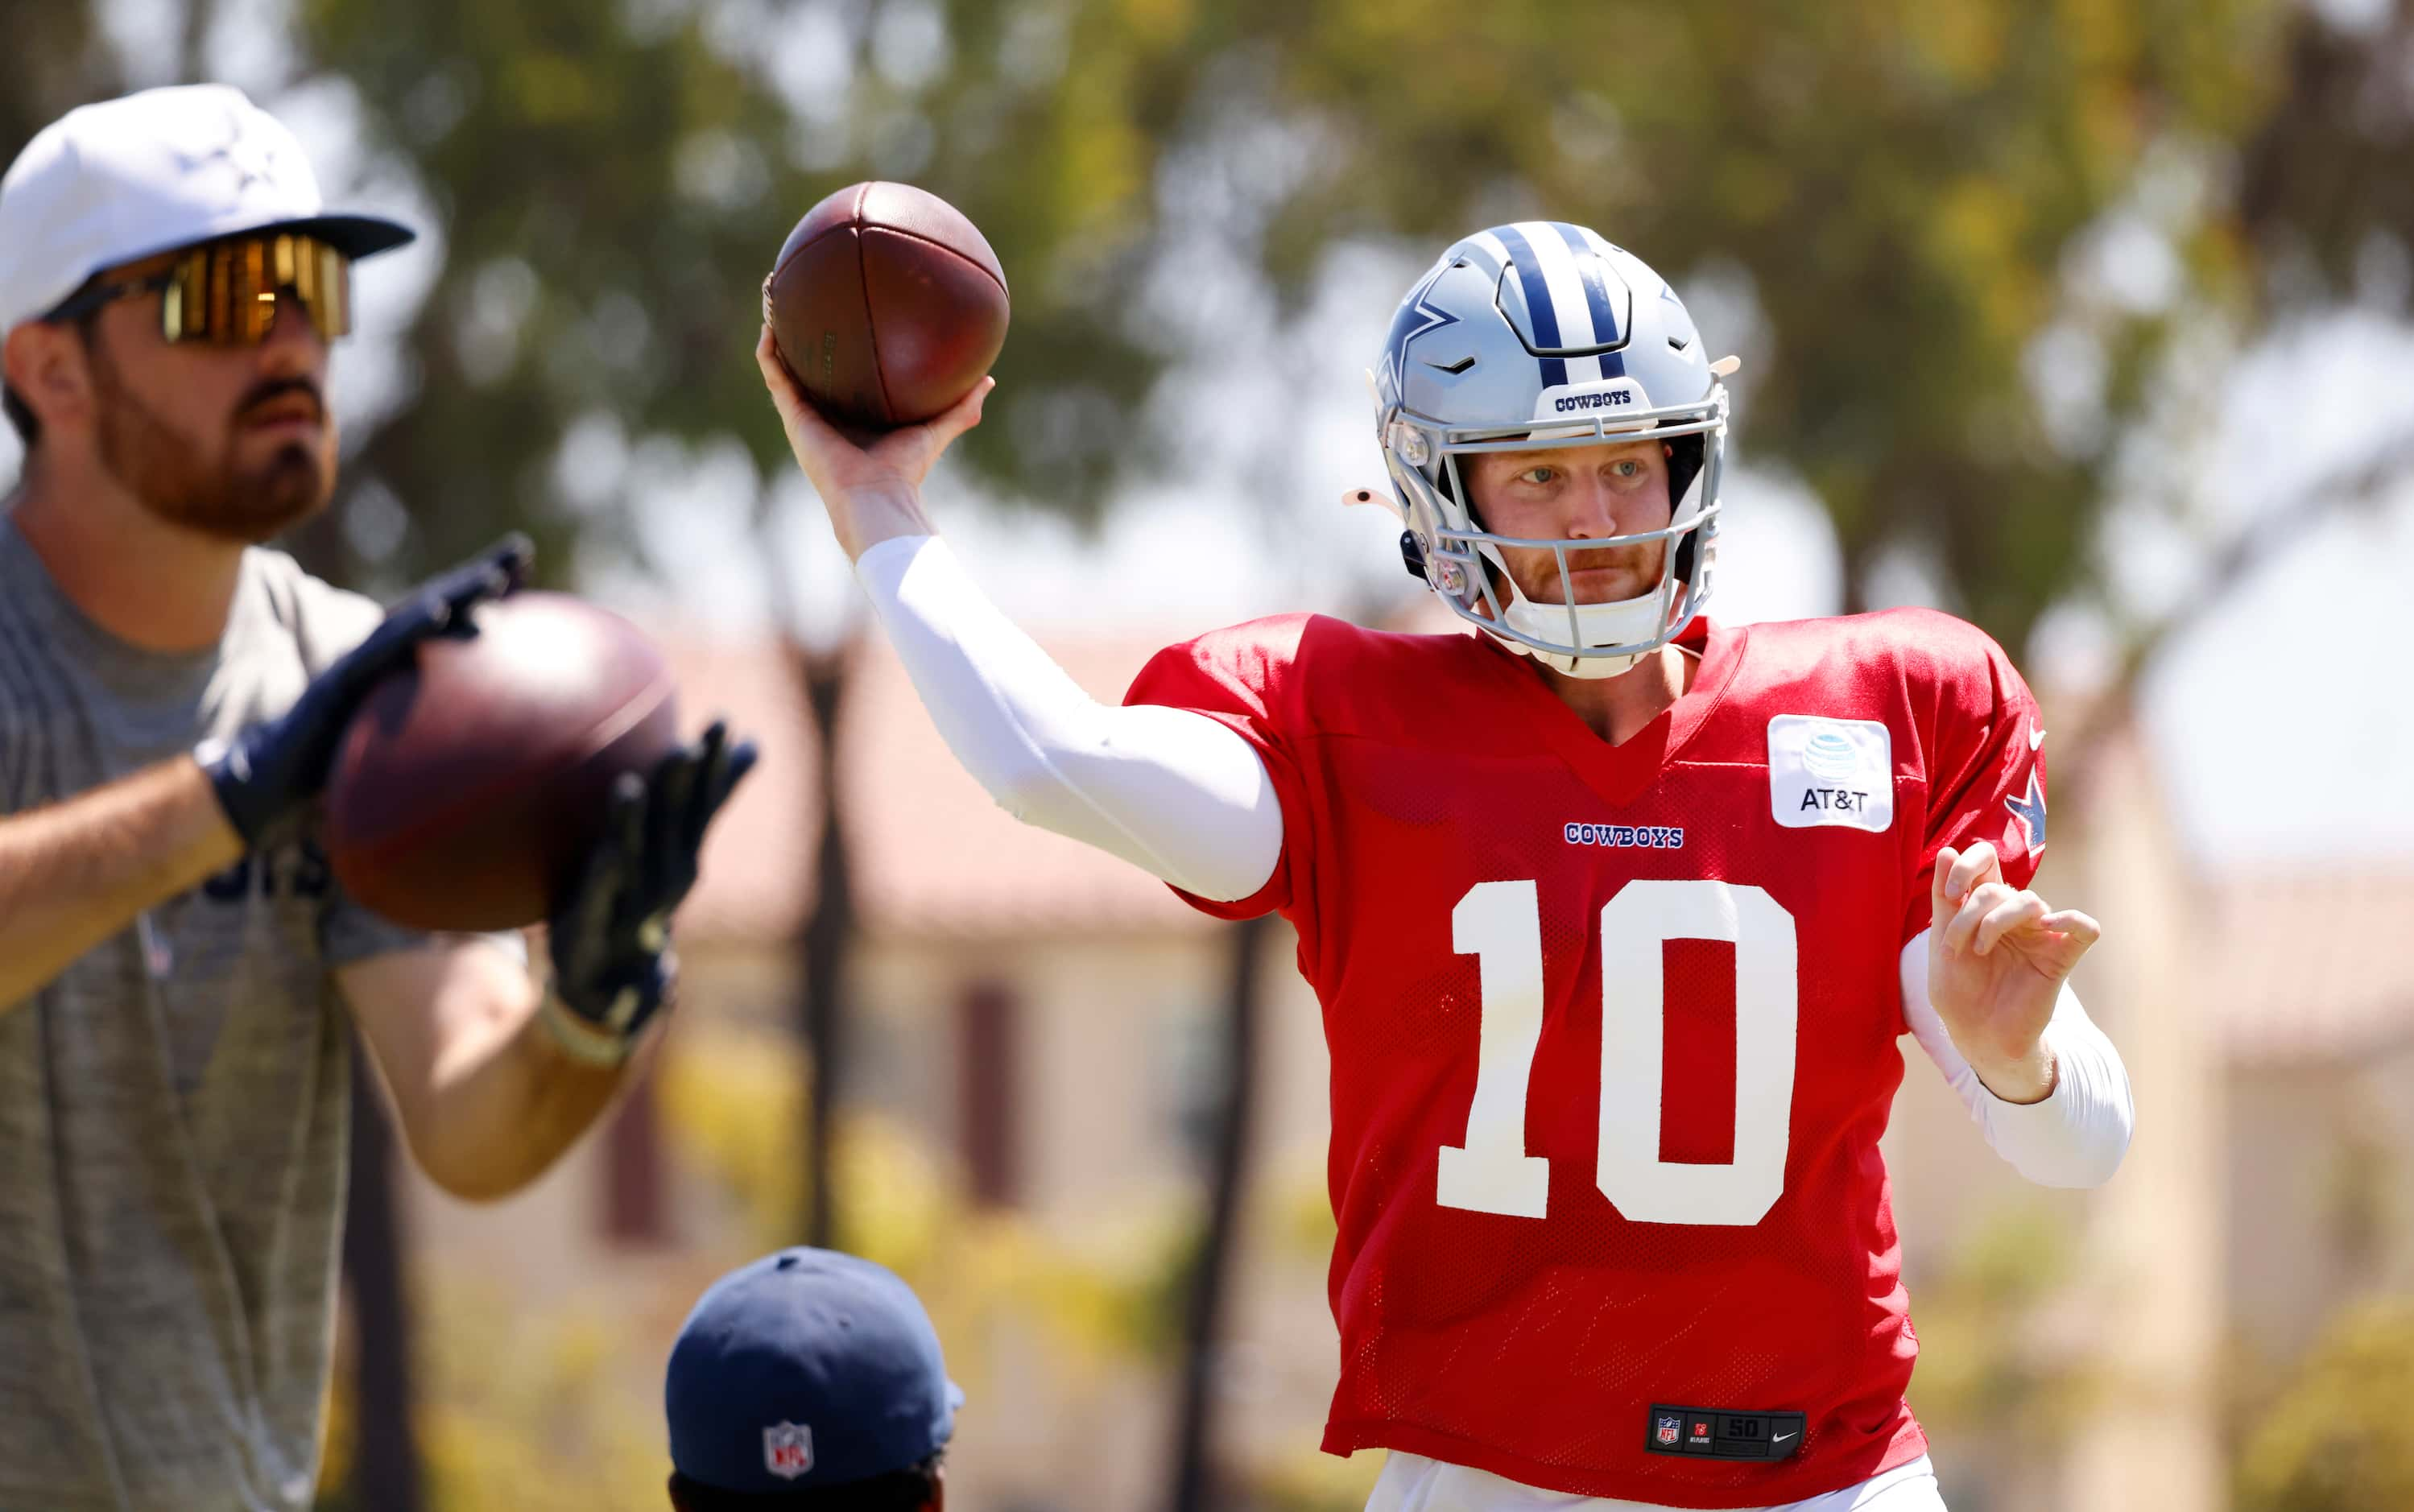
1605 328
1538 301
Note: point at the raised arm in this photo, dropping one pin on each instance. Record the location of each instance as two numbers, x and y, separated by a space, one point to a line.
1173 793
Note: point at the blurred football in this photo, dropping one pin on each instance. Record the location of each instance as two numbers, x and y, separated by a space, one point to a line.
469 789
888 305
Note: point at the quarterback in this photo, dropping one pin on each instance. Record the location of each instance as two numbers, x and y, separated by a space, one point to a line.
1615 913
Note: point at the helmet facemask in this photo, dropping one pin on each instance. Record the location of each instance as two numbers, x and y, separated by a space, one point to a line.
1464 566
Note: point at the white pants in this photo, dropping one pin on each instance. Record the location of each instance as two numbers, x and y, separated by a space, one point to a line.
1412 1483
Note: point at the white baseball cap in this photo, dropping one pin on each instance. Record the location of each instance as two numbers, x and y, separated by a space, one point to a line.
111 182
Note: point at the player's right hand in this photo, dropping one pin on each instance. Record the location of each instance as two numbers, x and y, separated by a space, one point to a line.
870 481
273 768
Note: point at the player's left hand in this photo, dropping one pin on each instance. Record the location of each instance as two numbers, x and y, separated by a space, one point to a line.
1997 958
613 965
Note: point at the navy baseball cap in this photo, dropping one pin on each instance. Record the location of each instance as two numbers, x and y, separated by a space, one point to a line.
807 1368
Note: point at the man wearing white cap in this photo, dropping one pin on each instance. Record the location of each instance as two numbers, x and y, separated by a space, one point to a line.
175 960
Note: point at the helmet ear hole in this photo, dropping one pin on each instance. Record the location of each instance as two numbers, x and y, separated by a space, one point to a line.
1684 466
1685 459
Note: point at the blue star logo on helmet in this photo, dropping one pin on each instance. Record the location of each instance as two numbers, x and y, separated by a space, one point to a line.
1415 319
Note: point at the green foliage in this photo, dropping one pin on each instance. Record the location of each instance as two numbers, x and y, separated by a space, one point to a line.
1897 183
731 1103
615 180
521 1413
611 195
1987 1362
2338 1437
1893 183
1316 1482
1892 186
55 61
1297 1211
2323 189
731 1100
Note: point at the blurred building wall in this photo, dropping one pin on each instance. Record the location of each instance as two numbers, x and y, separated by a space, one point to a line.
2154 1286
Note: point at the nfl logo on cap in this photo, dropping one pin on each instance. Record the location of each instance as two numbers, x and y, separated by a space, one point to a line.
787 1449
800 1337
1668 1428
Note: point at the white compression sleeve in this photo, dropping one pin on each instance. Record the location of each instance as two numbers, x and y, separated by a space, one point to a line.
2077 1136
1170 791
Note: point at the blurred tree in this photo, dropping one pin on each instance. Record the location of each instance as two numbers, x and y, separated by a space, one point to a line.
1887 202
2003 1378
612 182
828 933
565 1419
2324 192
383 1460
1197 1474
2324 203
55 60
605 198
2337 1436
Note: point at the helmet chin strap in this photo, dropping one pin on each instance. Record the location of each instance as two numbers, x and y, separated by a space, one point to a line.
1618 622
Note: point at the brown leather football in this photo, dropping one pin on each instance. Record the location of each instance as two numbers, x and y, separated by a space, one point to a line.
469 789
887 304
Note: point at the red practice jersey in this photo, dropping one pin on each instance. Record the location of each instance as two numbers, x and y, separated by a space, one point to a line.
1614 1027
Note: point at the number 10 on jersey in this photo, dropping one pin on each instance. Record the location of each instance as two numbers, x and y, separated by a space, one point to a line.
1500 923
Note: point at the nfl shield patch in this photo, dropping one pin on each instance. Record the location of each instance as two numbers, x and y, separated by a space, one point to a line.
787 1449
1667 1428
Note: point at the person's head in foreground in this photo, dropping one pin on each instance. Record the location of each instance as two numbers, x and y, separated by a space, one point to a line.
169 284
809 1379
1555 433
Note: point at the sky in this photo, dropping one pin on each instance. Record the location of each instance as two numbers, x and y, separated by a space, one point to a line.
2280 723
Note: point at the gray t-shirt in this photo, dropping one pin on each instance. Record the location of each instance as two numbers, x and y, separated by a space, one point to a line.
174 1106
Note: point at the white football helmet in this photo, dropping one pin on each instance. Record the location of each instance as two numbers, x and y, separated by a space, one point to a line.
1543 334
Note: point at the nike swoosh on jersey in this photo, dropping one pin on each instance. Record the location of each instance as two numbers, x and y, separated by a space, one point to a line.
1780 1438
2036 736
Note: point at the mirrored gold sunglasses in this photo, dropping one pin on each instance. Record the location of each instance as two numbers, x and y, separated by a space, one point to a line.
227 293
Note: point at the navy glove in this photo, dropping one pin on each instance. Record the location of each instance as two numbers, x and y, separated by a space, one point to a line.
613 967
273 768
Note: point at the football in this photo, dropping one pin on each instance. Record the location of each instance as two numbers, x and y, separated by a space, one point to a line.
887 304
470 788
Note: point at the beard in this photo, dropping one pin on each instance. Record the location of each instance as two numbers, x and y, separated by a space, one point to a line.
1643 564
212 494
